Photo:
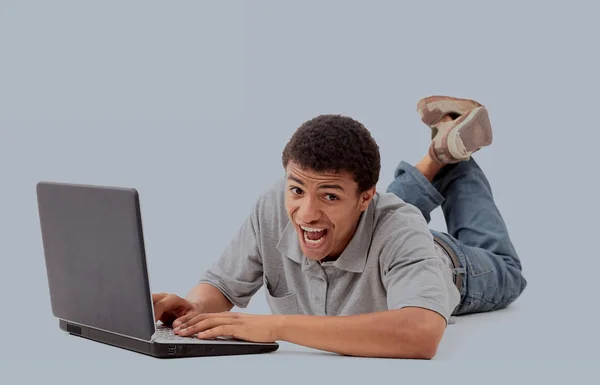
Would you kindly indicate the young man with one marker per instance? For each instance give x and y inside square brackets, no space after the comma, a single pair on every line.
[349,270]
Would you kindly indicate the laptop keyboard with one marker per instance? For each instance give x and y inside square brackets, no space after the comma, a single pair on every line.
[166,333]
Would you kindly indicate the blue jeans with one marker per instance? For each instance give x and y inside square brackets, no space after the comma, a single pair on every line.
[490,268]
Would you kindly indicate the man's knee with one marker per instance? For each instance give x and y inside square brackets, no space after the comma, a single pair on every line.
[494,290]
[514,287]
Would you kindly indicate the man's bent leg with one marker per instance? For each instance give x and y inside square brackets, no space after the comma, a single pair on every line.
[478,235]
[489,275]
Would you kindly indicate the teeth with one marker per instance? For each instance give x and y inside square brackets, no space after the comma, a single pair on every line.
[312,242]
[310,229]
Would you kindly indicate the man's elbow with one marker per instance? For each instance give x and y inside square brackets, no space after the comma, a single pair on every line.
[428,341]
[417,348]
[421,343]
[414,333]
[428,350]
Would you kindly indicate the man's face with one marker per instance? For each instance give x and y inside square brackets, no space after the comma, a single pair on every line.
[325,209]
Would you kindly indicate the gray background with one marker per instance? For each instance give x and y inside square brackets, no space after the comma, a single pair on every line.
[192,102]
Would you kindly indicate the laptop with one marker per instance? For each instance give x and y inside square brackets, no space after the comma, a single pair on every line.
[97,274]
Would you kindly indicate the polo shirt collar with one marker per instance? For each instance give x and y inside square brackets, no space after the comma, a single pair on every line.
[289,245]
[352,259]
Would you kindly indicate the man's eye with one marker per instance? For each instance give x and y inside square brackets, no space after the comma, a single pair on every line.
[331,197]
[296,190]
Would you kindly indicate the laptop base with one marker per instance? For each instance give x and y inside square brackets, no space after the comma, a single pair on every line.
[160,350]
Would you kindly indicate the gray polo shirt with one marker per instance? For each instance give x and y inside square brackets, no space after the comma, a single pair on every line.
[391,262]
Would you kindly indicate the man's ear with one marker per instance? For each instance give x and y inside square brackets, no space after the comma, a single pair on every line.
[366,197]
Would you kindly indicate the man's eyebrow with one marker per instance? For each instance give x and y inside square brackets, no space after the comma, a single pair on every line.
[293,178]
[332,186]
[321,187]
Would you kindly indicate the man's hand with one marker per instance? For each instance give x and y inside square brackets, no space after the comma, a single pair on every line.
[169,308]
[248,327]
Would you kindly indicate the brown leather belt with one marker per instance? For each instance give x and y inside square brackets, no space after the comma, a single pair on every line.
[455,262]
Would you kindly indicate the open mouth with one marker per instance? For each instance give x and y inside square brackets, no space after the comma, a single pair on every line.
[313,236]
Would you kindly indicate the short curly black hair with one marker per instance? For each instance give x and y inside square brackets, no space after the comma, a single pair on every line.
[335,143]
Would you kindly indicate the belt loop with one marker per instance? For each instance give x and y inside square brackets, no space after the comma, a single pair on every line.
[458,270]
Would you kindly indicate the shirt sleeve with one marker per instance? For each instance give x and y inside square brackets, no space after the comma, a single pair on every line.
[413,273]
[239,270]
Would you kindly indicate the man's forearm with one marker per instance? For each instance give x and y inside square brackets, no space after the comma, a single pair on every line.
[209,299]
[406,333]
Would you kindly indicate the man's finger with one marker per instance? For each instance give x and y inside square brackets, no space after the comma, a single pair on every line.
[161,307]
[202,316]
[193,320]
[194,326]
[179,322]
[197,325]
[157,297]
[158,311]
[219,331]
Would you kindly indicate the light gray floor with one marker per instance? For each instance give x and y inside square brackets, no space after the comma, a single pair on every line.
[496,347]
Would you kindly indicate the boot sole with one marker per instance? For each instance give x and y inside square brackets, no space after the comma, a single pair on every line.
[432,108]
[470,135]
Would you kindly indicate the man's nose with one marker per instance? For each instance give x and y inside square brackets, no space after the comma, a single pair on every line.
[309,211]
